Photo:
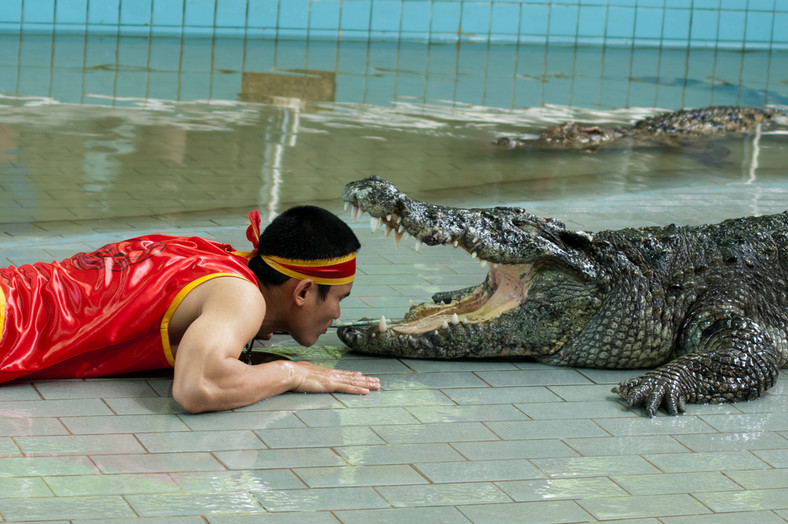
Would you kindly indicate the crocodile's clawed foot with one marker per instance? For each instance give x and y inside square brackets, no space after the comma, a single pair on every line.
[651,393]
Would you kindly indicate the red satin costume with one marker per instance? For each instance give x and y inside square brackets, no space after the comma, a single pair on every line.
[106,312]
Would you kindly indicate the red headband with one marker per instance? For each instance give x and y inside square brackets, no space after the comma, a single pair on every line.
[329,271]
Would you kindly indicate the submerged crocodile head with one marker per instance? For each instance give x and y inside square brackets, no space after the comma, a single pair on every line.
[541,289]
[568,135]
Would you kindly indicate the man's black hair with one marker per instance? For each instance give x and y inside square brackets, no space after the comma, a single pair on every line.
[303,233]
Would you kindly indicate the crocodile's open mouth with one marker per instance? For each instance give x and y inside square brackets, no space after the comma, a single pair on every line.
[523,254]
[505,287]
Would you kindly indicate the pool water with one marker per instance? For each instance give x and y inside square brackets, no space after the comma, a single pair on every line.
[145,133]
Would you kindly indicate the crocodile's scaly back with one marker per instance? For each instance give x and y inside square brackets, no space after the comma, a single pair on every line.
[714,120]
[707,121]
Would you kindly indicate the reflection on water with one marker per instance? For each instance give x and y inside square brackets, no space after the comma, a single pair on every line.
[284,132]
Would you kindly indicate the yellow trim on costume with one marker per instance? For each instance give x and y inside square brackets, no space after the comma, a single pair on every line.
[2,313]
[165,322]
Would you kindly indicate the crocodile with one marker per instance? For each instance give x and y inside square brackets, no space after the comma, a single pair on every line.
[663,128]
[703,308]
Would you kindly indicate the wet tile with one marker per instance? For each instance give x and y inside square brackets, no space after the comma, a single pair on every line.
[292,402]
[360,476]
[760,479]
[706,461]
[41,466]
[295,517]
[545,512]
[356,417]
[24,487]
[79,445]
[641,507]
[94,507]
[660,425]
[279,458]
[156,462]
[398,454]
[555,489]
[443,494]
[181,441]
[777,458]
[14,392]
[432,381]
[750,500]
[193,504]
[479,471]
[436,515]
[513,430]
[761,517]
[513,449]
[95,388]
[118,484]
[470,413]
[144,406]
[448,432]
[732,441]
[229,420]
[417,397]
[667,483]
[574,410]
[123,424]
[454,366]
[53,408]
[596,446]
[543,377]
[321,499]
[755,422]
[8,448]
[594,466]
[319,437]
[501,395]
[584,392]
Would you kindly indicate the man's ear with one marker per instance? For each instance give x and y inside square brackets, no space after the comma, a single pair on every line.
[302,290]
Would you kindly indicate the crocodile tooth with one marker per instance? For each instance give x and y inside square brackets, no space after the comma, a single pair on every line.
[354,212]
[411,302]
[346,204]
[418,244]
[388,230]
[474,255]
[435,332]
[495,264]
[397,238]
[455,243]
[445,325]
[373,223]
[388,218]
[465,321]
[401,228]
[484,263]
[399,219]
[382,327]
[455,319]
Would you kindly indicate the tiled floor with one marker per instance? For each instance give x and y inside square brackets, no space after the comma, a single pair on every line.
[490,441]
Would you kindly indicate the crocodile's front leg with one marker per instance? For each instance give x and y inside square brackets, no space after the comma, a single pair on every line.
[735,360]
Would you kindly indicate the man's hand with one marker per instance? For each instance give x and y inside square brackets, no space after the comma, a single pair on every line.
[311,378]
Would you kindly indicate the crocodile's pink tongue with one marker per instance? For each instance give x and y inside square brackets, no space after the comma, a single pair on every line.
[507,281]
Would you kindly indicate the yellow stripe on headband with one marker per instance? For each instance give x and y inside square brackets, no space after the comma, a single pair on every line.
[329,271]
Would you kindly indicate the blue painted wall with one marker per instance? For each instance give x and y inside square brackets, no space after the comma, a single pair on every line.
[732,24]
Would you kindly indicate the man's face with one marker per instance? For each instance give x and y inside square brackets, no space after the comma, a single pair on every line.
[317,315]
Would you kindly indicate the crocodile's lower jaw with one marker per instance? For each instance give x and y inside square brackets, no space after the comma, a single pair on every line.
[505,288]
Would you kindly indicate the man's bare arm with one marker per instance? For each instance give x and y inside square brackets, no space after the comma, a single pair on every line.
[208,375]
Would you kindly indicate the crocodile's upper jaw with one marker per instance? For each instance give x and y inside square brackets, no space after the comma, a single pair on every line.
[519,250]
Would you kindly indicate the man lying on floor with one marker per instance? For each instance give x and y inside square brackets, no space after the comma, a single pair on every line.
[192,304]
